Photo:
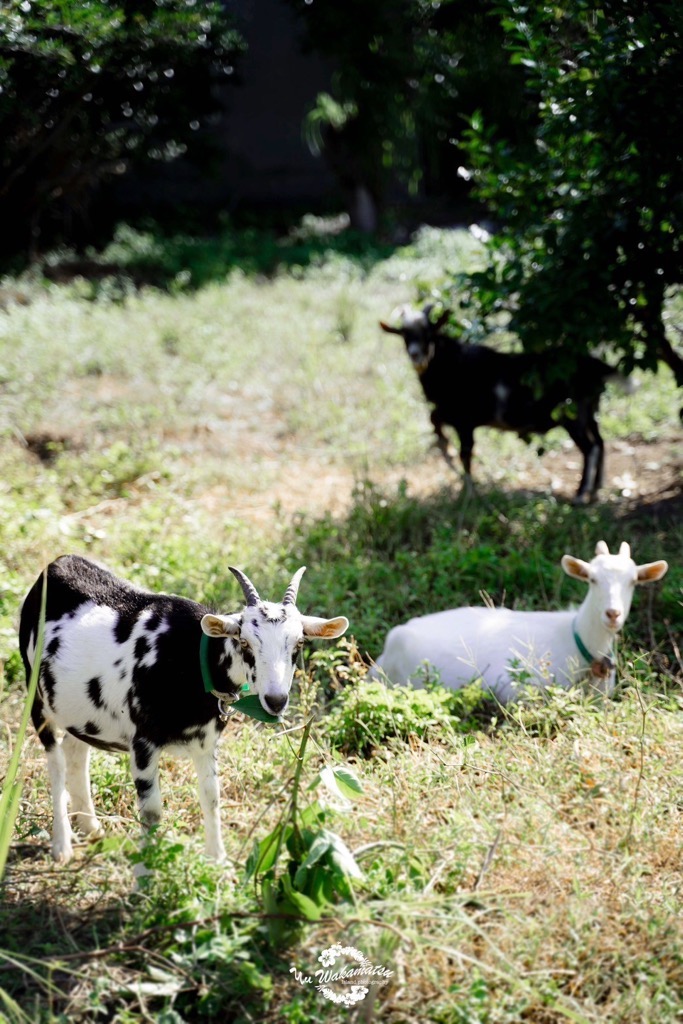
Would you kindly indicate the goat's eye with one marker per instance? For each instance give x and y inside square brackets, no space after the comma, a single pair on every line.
[244,644]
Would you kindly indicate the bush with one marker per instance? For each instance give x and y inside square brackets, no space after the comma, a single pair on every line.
[367,714]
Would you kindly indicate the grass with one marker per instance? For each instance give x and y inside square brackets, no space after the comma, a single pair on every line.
[519,864]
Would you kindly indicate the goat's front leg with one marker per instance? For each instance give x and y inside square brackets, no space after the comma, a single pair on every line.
[441,439]
[466,438]
[145,768]
[209,799]
[77,757]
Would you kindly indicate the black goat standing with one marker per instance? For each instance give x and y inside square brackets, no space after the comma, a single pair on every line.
[473,386]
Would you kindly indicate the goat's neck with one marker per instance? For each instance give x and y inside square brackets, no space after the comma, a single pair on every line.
[226,668]
[595,637]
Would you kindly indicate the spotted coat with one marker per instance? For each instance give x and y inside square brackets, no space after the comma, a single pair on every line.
[121,671]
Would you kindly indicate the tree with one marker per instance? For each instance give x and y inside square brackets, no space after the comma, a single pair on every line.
[405,76]
[591,216]
[88,90]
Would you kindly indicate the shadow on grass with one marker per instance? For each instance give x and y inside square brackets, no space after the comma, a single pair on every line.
[180,261]
[72,949]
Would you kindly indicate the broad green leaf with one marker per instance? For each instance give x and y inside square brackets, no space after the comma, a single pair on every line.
[347,781]
[264,853]
[252,707]
[342,858]
[302,904]
[340,787]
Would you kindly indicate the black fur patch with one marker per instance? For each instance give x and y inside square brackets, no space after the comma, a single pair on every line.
[131,702]
[94,688]
[153,623]
[142,787]
[49,684]
[123,628]
[53,647]
[143,754]
[248,658]
[141,648]
[91,729]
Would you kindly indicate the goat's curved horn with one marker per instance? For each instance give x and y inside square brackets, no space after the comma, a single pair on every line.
[250,591]
[293,588]
[625,550]
[601,548]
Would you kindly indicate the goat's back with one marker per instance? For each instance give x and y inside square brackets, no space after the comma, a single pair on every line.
[497,645]
[513,390]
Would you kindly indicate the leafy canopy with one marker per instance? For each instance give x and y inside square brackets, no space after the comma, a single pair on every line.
[592,213]
[88,89]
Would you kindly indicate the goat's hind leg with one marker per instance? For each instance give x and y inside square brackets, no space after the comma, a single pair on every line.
[62,849]
[585,434]
[77,757]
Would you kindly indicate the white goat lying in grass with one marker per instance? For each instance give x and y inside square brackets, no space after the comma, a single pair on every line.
[508,649]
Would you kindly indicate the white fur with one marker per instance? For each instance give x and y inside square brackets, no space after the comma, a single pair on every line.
[506,648]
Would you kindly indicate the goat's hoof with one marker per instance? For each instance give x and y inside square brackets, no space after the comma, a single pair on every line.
[88,825]
[583,499]
[62,852]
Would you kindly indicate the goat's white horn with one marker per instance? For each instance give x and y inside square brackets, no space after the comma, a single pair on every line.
[293,588]
[601,548]
[625,550]
[250,591]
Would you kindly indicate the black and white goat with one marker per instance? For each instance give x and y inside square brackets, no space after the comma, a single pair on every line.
[475,386]
[121,670]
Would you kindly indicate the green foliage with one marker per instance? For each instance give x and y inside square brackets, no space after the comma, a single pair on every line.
[319,867]
[369,713]
[405,77]
[591,216]
[180,262]
[89,89]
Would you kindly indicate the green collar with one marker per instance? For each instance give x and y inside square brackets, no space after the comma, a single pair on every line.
[206,670]
[204,663]
[583,650]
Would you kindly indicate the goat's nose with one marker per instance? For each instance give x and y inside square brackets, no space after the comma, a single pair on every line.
[275,704]
[612,615]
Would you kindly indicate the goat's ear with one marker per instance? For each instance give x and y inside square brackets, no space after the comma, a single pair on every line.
[221,625]
[388,328]
[326,629]
[441,320]
[651,571]
[576,568]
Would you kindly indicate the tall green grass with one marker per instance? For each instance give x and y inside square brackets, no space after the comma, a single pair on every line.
[518,864]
